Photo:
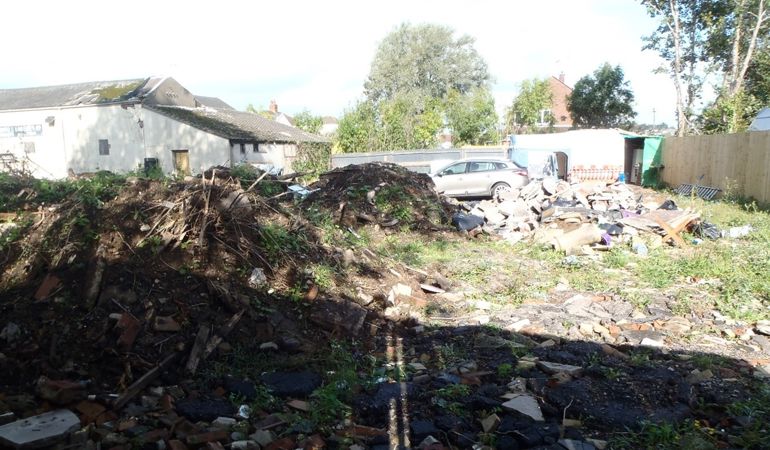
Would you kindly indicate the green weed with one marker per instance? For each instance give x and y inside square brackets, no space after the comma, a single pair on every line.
[616,258]
[505,370]
[278,240]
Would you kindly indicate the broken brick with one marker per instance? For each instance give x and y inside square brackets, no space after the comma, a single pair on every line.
[126,424]
[130,326]
[314,442]
[89,411]
[166,402]
[49,285]
[161,434]
[281,444]
[175,444]
[60,392]
[211,436]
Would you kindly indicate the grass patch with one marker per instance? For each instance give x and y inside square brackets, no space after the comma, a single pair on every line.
[616,258]
[278,240]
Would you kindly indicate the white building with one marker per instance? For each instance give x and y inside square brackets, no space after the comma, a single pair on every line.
[121,125]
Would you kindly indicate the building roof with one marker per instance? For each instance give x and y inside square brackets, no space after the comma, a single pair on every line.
[91,93]
[329,120]
[237,125]
[212,102]
[557,80]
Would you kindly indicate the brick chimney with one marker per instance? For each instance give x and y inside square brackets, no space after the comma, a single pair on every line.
[273,107]
[561,77]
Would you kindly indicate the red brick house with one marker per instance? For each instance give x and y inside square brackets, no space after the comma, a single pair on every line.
[562,120]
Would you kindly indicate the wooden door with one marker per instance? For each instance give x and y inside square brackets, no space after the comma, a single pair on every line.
[182,162]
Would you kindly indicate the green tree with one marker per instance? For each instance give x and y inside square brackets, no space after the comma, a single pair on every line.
[603,100]
[426,59]
[261,111]
[308,122]
[716,36]
[421,76]
[357,130]
[472,117]
[758,76]
[527,110]
[407,121]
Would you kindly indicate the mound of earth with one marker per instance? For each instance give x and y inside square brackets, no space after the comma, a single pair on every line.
[380,193]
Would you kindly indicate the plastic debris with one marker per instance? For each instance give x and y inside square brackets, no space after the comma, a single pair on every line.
[257,278]
[640,249]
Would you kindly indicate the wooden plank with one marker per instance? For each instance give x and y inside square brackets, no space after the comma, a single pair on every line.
[759,142]
[756,169]
[671,233]
[144,381]
[198,348]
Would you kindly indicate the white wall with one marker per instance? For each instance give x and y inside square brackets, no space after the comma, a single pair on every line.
[279,155]
[163,135]
[133,133]
[585,147]
[48,159]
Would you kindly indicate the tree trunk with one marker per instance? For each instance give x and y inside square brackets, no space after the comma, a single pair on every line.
[739,64]
[677,76]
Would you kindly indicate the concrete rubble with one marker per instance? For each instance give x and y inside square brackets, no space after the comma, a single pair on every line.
[581,217]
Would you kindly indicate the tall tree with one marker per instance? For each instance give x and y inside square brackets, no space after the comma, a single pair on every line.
[529,106]
[357,130]
[680,40]
[724,33]
[308,122]
[422,78]
[472,117]
[426,59]
[603,100]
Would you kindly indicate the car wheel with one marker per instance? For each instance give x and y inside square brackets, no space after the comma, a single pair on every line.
[499,188]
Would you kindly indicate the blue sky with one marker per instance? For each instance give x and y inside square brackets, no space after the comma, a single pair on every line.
[316,55]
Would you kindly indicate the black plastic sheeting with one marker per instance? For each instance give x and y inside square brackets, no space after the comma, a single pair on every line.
[466,222]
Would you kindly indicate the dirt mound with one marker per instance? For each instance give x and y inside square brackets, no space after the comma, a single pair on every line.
[380,193]
[105,287]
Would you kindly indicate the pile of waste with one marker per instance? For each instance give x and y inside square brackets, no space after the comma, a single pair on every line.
[116,296]
[572,217]
[381,194]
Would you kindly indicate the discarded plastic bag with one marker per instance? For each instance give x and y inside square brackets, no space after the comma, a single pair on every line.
[257,278]
[736,232]
[707,230]
[668,205]
[466,222]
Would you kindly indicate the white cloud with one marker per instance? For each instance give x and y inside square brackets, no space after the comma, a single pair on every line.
[316,55]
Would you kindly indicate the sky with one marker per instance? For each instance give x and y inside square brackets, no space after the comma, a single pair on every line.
[315,55]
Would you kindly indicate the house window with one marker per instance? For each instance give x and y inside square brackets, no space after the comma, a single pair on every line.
[243,148]
[104,147]
[545,117]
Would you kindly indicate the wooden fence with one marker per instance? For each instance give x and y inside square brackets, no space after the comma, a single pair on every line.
[737,162]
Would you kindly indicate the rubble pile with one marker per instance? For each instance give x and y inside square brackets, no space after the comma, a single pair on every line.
[571,217]
[186,315]
[113,304]
[381,194]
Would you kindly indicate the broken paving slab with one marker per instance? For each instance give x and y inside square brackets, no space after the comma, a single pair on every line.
[39,431]
[554,368]
[525,404]
[343,314]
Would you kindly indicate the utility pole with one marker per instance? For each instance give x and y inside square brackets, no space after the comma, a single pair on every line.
[653,117]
